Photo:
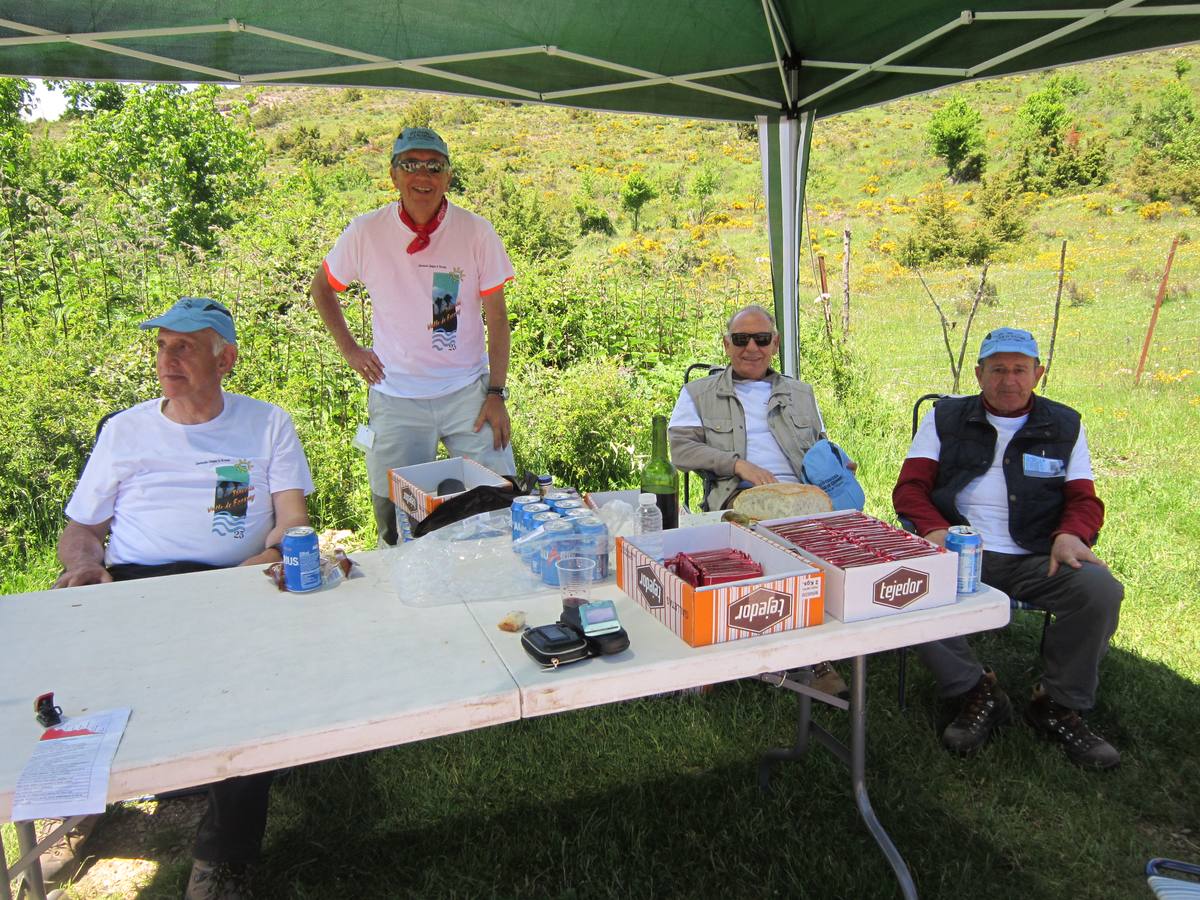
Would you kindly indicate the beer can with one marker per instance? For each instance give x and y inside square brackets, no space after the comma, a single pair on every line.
[518,526]
[593,542]
[301,559]
[581,513]
[556,543]
[967,543]
[563,505]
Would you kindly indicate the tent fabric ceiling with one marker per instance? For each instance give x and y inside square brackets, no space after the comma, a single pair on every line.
[716,59]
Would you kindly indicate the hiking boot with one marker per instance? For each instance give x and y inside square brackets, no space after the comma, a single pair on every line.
[984,708]
[217,881]
[65,856]
[1055,722]
[825,678]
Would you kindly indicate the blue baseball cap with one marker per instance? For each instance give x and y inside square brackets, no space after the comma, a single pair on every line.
[193,314]
[1008,340]
[420,139]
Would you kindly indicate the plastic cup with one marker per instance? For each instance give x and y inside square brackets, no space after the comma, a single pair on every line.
[575,577]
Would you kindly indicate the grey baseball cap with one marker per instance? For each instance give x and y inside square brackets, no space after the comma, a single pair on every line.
[420,139]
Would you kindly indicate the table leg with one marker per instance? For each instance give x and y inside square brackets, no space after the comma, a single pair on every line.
[27,842]
[5,887]
[799,748]
[858,770]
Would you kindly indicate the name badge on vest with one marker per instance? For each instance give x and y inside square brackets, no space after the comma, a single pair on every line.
[1043,466]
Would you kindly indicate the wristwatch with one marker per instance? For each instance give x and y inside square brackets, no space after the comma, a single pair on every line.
[501,392]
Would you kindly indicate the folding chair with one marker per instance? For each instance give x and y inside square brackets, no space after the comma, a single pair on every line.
[1014,603]
[1166,887]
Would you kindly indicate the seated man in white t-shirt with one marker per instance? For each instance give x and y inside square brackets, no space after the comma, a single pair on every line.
[195,479]
[1015,467]
[748,425]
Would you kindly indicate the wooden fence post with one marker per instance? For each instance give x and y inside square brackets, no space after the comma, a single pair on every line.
[1158,302]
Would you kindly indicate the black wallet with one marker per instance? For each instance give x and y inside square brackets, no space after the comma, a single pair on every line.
[554,645]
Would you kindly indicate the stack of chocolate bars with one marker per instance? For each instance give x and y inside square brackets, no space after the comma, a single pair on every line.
[853,539]
[709,567]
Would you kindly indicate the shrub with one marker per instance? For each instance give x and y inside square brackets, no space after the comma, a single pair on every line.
[955,134]
[636,192]
[588,425]
[593,219]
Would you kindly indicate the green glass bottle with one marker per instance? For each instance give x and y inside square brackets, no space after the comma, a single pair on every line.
[660,478]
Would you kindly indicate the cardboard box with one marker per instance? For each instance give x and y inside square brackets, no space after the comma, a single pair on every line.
[414,488]
[597,499]
[787,596]
[882,589]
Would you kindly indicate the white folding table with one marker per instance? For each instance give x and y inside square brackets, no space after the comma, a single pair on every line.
[226,676]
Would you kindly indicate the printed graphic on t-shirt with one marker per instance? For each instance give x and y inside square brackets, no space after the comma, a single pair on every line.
[445,309]
[232,499]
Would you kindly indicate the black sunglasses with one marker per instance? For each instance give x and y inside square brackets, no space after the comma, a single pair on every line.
[742,338]
[432,166]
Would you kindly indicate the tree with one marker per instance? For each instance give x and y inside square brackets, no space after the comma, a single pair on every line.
[173,154]
[636,192]
[87,97]
[16,95]
[702,188]
[955,134]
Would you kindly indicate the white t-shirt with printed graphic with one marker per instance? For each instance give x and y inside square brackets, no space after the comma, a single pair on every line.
[426,309]
[200,493]
[984,500]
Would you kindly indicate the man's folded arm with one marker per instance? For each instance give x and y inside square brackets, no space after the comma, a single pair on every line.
[912,496]
[290,512]
[81,552]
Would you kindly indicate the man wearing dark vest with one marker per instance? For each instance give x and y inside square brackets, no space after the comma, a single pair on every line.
[1015,467]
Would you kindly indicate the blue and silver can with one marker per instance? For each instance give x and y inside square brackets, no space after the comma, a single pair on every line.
[555,544]
[967,543]
[593,542]
[531,552]
[301,559]
[580,513]
[565,505]
[518,527]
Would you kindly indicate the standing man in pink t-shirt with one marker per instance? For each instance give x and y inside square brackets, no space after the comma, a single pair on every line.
[436,275]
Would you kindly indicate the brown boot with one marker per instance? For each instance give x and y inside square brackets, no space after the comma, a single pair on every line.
[983,708]
[1055,722]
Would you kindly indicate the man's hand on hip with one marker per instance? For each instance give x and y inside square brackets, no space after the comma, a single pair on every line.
[748,471]
[364,361]
[86,574]
[1069,550]
[495,413]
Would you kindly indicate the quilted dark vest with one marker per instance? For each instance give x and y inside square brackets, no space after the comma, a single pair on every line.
[968,442]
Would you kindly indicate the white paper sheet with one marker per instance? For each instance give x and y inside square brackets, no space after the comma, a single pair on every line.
[67,775]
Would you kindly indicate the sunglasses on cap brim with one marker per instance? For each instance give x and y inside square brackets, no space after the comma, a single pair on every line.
[742,338]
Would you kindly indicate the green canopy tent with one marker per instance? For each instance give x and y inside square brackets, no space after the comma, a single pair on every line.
[778,62]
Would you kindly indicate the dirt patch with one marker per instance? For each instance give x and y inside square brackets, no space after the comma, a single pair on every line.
[131,843]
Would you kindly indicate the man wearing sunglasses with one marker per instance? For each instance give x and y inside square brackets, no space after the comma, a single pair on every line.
[435,272]
[747,425]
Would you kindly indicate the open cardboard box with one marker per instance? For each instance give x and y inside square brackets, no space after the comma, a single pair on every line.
[787,596]
[881,589]
[414,488]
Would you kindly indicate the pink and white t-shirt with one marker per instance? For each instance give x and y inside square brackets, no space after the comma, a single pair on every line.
[427,309]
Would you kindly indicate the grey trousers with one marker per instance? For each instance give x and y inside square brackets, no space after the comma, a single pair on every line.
[407,432]
[1086,605]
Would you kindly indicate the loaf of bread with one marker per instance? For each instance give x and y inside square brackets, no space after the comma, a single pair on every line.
[782,500]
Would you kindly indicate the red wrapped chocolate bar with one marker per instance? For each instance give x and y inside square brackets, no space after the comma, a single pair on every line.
[709,567]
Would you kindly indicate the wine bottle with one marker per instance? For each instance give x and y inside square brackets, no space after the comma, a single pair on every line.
[660,478]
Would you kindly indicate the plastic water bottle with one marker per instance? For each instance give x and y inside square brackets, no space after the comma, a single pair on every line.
[649,515]
[650,526]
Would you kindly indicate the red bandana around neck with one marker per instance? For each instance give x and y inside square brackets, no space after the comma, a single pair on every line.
[421,241]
